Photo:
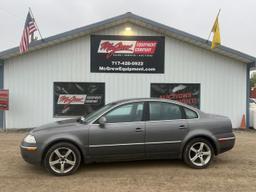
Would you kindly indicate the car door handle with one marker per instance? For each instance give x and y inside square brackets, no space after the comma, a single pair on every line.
[183,127]
[138,129]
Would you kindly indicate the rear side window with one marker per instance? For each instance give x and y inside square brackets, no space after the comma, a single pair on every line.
[164,111]
[190,114]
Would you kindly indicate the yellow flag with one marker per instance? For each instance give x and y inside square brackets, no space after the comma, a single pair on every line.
[216,36]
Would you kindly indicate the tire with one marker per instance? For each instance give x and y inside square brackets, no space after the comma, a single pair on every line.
[198,153]
[62,159]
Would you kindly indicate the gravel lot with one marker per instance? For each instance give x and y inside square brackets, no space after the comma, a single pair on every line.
[231,171]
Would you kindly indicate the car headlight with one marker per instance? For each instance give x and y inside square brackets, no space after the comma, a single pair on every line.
[30,139]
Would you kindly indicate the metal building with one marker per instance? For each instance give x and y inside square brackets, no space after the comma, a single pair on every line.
[33,79]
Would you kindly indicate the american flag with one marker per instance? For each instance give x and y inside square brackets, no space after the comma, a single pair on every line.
[28,31]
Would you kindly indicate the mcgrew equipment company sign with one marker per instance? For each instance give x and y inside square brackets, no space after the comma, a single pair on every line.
[127,54]
[77,98]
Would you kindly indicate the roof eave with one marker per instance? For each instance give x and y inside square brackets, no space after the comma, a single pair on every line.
[62,37]
[195,40]
[141,21]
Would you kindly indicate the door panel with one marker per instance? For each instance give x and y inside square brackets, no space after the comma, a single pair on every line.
[123,135]
[165,136]
[117,139]
[165,129]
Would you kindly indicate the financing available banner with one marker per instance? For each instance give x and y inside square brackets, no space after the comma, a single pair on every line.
[77,98]
[188,93]
[127,54]
[4,99]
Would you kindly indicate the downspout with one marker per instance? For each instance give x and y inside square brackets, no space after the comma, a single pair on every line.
[248,92]
[2,117]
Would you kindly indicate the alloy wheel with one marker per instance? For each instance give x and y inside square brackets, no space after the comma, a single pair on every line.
[62,160]
[200,154]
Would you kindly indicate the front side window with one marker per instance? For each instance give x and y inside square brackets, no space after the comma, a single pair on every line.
[164,111]
[96,113]
[125,113]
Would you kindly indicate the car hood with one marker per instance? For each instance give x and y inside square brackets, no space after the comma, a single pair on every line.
[56,125]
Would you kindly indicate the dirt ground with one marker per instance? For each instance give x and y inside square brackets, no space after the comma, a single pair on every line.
[231,171]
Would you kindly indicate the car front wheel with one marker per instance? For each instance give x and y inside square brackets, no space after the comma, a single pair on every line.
[62,159]
[198,153]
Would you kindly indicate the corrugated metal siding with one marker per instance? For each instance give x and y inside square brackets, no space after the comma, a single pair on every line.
[30,78]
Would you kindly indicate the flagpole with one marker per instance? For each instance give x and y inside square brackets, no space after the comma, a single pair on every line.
[30,10]
[214,22]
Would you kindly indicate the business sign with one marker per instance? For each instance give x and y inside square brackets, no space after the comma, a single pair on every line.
[65,99]
[127,54]
[77,99]
[4,99]
[187,93]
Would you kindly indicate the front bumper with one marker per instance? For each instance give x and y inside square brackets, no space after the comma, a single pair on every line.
[30,153]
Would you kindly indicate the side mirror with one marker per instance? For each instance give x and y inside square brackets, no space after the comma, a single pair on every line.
[82,119]
[102,121]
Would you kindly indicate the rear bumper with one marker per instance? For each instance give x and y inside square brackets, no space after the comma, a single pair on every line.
[226,143]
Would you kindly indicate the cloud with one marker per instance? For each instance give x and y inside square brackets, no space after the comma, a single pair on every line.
[196,17]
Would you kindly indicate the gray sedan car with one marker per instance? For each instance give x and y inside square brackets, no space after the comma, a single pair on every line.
[131,129]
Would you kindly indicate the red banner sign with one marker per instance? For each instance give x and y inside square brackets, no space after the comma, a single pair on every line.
[4,100]
[71,99]
[134,47]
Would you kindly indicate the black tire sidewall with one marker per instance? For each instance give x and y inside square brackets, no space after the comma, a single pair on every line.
[187,148]
[59,145]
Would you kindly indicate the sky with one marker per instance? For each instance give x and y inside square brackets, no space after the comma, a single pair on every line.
[237,17]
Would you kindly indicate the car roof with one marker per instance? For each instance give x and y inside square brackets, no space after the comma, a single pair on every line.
[131,100]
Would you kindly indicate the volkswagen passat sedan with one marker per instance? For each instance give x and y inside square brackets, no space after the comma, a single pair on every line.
[130,130]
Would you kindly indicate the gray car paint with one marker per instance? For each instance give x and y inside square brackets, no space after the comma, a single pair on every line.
[163,138]
[122,141]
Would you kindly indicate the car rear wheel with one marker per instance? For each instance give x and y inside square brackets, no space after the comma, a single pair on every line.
[62,159]
[198,153]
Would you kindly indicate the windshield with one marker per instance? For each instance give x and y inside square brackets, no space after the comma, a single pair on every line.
[96,113]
